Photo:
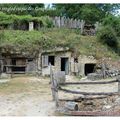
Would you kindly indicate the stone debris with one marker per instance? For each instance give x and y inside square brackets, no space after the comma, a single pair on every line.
[104,71]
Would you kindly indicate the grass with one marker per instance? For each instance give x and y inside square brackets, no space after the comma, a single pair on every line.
[48,38]
[24,84]
[13,86]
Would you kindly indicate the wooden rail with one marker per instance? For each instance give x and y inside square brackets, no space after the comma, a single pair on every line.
[83,98]
[87,93]
[78,83]
[55,87]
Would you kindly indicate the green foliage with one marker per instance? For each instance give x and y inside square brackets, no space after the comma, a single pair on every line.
[34,42]
[5,19]
[90,13]
[114,22]
[22,18]
[47,21]
[1,36]
[107,35]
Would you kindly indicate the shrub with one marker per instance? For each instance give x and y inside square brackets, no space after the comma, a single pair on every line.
[5,19]
[47,21]
[107,35]
[114,22]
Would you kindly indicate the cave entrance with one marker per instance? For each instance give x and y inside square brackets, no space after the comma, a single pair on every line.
[89,68]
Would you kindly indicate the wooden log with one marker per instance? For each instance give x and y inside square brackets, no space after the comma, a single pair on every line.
[54,87]
[51,73]
[119,85]
[78,83]
[56,92]
[71,106]
[52,83]
[103,70]
[84,98]
[87,93]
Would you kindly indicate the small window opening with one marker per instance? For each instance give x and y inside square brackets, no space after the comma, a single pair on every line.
[30,60]
[76,60]
[51,59]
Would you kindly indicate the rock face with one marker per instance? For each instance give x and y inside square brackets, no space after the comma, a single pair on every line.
[94,76]
[105,70]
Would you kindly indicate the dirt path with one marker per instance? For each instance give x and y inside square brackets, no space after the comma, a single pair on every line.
[26,96]
[31,96]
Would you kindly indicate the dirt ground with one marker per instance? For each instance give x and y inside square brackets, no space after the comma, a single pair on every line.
[26,96]
[31,96]
[111,87]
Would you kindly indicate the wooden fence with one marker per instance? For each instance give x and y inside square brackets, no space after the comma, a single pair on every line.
[67,22]
[55,86]
[72,104]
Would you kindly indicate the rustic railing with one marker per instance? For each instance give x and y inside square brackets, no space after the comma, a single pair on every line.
[55,86]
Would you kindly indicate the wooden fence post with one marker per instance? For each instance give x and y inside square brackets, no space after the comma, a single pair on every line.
[118,84]
[51,73]
[54,87]
[52,82]
[56,92]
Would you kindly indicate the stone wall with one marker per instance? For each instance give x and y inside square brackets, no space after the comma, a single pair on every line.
[85,60]
[57,66]
[75,68]
[31,67]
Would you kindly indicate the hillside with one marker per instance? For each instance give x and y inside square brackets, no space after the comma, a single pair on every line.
[32,41]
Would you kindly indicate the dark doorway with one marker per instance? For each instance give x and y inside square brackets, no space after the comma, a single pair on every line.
[65,65]
[13,62]
[89,68]
[18,67]
[51,59]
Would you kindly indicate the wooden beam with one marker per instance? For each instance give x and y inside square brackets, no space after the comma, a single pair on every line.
[84,98]
[87,93]
[78,83]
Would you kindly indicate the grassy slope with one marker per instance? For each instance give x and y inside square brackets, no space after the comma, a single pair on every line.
[87,45]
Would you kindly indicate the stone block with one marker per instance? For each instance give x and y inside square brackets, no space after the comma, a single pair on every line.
[60,77]
[5,76]
[94,76]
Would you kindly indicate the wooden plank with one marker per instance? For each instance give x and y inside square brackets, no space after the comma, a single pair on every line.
[87,93]
[78,83]
[53,93]
[15,65]
[84,98]
[16,72]
[118,85]
[56,92]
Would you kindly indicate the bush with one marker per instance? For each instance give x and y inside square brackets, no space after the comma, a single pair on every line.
[107,35]
[47,21]
[1,36]
[5,19]
[114,22]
